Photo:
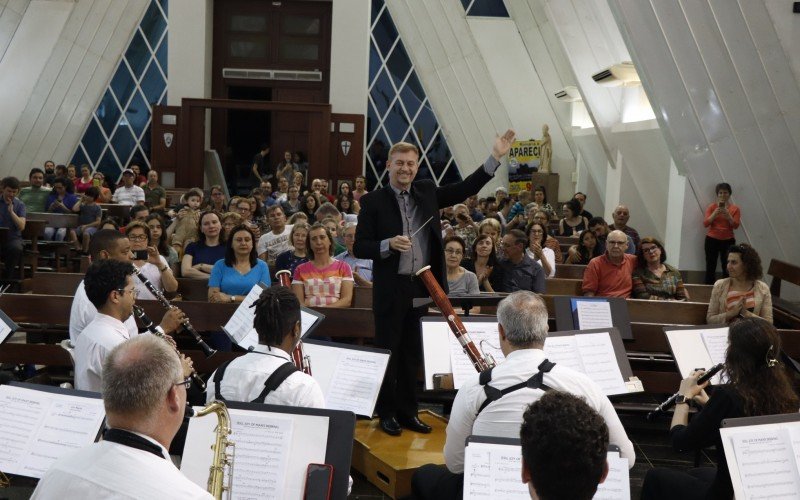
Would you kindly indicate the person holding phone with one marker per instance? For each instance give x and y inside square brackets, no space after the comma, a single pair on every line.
[152,264]
[722,217]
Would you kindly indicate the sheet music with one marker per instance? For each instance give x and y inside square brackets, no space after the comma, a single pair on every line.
[766,464]
[5,330]
[38,428]
[240,325]
[591,354]
[493,471]
[716,342]
[617,484]
[564,351]
[593,314]
[272,451]
[356,381]
[486,339]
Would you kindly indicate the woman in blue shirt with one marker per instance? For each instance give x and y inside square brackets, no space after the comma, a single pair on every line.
[233,277]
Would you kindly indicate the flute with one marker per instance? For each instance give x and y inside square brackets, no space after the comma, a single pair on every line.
[148,323]
[207,350]
[301,361]
[663,407]
[479,361]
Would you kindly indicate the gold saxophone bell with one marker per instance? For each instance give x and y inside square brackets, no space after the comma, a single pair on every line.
[222,460]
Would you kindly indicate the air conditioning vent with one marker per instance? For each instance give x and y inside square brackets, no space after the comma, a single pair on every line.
[272,74]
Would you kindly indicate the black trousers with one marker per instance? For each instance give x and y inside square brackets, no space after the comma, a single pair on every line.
[716,249]
[668,484]
[11,251]
[397,328]
[436,482]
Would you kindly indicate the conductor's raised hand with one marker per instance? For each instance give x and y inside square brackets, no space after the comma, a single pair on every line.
[400,243]
[502,145]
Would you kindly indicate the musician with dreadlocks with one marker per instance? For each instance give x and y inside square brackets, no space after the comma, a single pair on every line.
[267,374]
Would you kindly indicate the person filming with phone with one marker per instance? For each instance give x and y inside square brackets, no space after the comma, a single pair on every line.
[721,218]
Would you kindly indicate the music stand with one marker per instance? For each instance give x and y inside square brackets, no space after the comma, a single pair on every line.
[566,319]
[465,302]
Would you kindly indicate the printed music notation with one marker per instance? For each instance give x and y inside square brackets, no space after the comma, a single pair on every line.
[716,342]
[617,484]
[38,428]
[767,464]
[356,381]
[261,455]
[593,314]
[591,354]
[485,338]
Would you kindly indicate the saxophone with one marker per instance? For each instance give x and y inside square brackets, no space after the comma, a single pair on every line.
[217,484]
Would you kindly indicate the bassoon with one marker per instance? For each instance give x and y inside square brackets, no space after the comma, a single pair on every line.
[301,361]
[479,361]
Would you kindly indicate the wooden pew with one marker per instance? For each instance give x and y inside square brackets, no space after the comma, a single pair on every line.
[699,293]
[563,286]
[571,271]
[61,249]
[122,212]
[785,313]
[66,283]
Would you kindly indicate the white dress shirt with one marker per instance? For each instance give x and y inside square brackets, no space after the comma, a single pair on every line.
[245,376]
[93,345]
[83,312]
[503,417]
[108,470]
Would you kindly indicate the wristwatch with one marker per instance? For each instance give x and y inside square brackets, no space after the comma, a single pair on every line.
[233,298]
[682,400]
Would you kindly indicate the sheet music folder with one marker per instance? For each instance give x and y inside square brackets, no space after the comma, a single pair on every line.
[7,327]
[566,318]
[690,351]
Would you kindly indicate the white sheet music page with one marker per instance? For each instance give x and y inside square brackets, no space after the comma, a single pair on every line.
[564,351]
[486,339]
[38,428]
[617,484]
[5,330]
[240,325]
[600,362]
[356,381]
[593,314]
[493,471]
[716,342]
[766,464]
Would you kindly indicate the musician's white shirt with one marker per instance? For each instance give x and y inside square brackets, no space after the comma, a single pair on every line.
[83,312]
[112,470]
[245,376]
[503,417]
[93,345]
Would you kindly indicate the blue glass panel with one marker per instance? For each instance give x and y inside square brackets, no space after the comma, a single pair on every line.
[161,55]
[79,158]
[153,24]
[465,3]
[382,93]
[144,141]
[488,8]
[376,9]
[93,141]
[424,171]
[163,100]
[451,175]
[141,159]
[153,83]
[165,7]
[137,54]
[412,94]
[372,121]
[372,180]
[438,154]
[374,62]
[107,112]
[123,143]
[138,114]
[398,64]
[396,122]
[109,166]
[122,84]
[379,150]
[384,32]
[425,125]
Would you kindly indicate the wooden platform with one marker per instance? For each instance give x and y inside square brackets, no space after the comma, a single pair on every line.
[388,462]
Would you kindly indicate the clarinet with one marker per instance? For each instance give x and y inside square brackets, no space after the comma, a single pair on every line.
[148,323]
[481,362]
[301,361]
[208,351]
[666,405]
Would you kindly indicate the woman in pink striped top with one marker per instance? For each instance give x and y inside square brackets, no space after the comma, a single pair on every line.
[322,281]
[721,218]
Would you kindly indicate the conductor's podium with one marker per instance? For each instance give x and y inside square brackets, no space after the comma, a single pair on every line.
[388,462]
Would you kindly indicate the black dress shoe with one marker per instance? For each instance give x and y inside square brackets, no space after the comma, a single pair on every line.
[390,426]
[414,424]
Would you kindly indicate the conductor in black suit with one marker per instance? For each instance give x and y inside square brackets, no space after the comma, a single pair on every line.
[388,218]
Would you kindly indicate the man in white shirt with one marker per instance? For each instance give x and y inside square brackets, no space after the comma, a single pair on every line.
[145,406]
[362,268]
[110,244]
[129,193]
[267,374]
[276,241]
[522,328]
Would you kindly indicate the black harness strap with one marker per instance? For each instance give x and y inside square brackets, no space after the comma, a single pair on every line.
[535,382]
[273,382]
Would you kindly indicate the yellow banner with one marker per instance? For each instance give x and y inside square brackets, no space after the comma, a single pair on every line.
[523,161]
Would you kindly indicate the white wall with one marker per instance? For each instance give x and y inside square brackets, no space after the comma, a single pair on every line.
[349,56]
[190,49]
[11,12]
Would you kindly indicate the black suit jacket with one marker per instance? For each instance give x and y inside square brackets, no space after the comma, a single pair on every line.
[380,219]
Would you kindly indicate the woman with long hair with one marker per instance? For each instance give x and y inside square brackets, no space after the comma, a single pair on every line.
[155,267]
[216,201]
[233,277]
[653,278]
[323,280]
[84,182]
[310,205]
[540,198]
[538,252]
[586,249]
[484,264]
[293,203]
[201,255]
[757,385]
[572,223]
[742,294]
[156,224]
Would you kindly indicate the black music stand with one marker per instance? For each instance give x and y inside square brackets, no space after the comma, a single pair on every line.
[567,320]
[7,327]
[465,302]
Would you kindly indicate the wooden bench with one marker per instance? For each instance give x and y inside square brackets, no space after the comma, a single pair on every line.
[571,271]
[62,250]
[122,212]
[785,313]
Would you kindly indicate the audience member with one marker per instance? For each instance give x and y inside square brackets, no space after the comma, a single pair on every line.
[110,222]
[260,170]
[621,216]
[600,229]
[286,168]
[572,223]
[61,200]
[522,331]
[128,193]
[484,264]
[523,198]
[49,173]
[139,212]
[145,406]
[541,217]
[491,228]
[538,252]
[233,277]
[540,198]
[328,210]
[361,187]
[89,218]
[12,217]
[216,200]
[721,218]
[283,190]
[500,194]
[184,229]
[257,200]
[229,221]
[474,211]
[271,378]
[465,227]
[742,294]
[155,196]
[293,204]
[610,275]
[99,180]
[564,448]
[459,280]
[298,217]
[72,174]
[581,197]
[139,178]
[323,280]
[503,208]
[323,191]
[276,241]
[587,249]
[758,385]
[297,253]
[310,205]
[269,198]
[85,181]
[201,255]
[155,267]
[35,196]
[332,224]
[520,272]
[245,209]
[362,268]
[653,278]
[159,238]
